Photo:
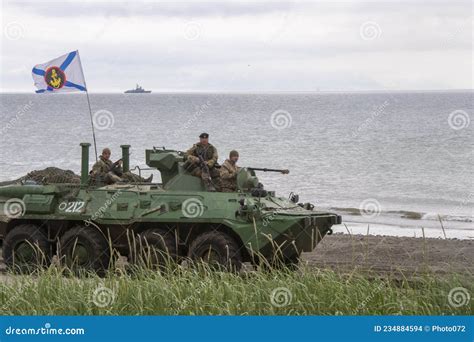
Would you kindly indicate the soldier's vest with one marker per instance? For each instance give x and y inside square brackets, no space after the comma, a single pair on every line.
[206,152]
[228,184]
[105,165]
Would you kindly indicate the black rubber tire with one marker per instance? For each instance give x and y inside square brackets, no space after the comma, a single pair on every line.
[155,248]
[292,263]
[225,251]
[96,250]
[36,242]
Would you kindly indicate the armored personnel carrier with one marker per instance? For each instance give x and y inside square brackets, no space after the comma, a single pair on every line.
[87,226]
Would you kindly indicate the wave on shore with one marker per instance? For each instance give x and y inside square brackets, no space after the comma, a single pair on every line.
[411,215]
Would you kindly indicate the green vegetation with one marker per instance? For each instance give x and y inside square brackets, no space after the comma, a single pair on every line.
[201,291]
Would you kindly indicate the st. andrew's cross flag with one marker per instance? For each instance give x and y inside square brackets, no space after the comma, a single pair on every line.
[63,74]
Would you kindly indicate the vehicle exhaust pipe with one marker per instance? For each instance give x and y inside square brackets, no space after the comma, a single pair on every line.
[125,157]
[85,163]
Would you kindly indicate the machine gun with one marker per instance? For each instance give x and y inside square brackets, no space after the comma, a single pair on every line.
[116,169]
[203,165]
[206,174]
[264,169]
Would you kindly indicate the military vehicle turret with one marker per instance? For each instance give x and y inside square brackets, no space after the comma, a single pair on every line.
[86,225]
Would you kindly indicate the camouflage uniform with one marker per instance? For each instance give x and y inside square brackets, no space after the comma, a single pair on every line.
[102,172]
[228,174]
[209,155]
[105,171]
[133,178]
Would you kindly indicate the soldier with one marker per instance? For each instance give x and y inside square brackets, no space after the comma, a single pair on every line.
[109,173]
[202,161]
[228,172]
[102,169]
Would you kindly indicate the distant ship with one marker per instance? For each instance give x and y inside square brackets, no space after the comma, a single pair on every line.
[138,90]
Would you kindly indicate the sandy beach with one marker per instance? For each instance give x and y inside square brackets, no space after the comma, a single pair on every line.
[393,255]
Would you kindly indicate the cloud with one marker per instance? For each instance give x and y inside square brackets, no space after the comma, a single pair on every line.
[244,46]
[149,8]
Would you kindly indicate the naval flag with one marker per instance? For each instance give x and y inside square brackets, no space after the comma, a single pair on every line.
[62,74]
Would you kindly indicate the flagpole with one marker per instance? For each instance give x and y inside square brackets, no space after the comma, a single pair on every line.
[90,109]
[92,121]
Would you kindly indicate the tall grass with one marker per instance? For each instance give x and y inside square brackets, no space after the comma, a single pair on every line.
[202,291]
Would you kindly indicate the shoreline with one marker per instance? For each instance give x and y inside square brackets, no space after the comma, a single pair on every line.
[403,231]
[401,223]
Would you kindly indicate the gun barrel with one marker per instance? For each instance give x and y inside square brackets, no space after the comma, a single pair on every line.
[264,169]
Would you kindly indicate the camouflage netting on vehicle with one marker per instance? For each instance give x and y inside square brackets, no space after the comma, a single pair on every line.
[50,175]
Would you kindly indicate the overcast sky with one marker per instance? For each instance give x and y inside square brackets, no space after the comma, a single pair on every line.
[244,46]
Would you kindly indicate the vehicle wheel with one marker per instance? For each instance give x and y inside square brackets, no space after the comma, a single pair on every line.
[85,249]
[217,249]
[155,248]
[292,262]
[26,248]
